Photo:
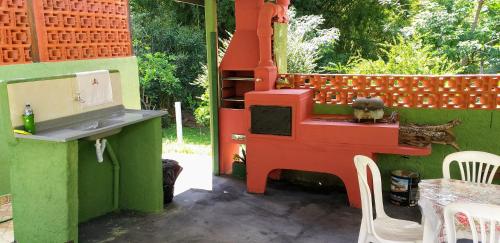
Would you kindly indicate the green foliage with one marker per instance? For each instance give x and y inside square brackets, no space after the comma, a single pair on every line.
[449,26]
[226,22]
[191,135]
[362,24]
[353,36]
[175,30]
[305,40]
[159,86]
[169,10]
[465,32]
[196,141]
[202,113]
[402,56]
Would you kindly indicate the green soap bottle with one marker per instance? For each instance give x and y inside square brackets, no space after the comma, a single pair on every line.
[29,119]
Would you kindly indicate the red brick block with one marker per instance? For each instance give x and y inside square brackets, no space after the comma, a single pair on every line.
[406,91]
[82,29]
[15,34]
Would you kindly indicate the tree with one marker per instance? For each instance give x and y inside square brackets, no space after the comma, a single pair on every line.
[202,112]
[305,39]
[467,32]
[176,30]
[170,10]
[362,24]
[402,56]
[226,22]
[159,86]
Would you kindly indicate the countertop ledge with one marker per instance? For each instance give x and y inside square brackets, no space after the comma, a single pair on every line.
[90,124]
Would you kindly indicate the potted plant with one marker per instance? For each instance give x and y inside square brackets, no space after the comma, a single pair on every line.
[240,165]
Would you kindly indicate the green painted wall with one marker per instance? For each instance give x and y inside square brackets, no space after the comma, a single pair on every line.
[6,138]
[57,185]
[95,181]
[126,65]
[138,150]
[480,130]
[141,173]
[130,90]
[45,191]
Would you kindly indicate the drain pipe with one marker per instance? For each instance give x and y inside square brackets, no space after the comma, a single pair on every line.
[116,176]
[101,146]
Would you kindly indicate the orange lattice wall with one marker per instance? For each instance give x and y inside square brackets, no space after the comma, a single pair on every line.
[422,91]
[15,36]
[64,30]
[82,29]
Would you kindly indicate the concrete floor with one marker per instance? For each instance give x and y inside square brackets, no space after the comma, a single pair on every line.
[6,224]
[286,213]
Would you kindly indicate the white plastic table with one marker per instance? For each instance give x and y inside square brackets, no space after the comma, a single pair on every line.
[437,193]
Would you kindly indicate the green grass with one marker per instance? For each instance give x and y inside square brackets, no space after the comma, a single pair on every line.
[196,140]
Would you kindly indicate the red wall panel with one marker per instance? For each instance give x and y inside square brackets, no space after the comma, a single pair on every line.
[15,36]
[411,91]
[82,29]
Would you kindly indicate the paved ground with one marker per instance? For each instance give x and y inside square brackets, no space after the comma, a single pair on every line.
[6,225]
[228,214]
[218,209]
[196,173]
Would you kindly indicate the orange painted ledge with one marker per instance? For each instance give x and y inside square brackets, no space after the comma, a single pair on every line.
[406,150]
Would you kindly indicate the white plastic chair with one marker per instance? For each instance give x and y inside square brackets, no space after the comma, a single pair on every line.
[480,217]
[475,166]
[382,229]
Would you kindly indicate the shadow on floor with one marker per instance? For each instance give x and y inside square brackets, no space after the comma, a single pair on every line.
[285,213]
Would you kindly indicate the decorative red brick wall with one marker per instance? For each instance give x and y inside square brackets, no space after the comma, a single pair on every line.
[412,91]
[15,34]
[65,30]
[82,29]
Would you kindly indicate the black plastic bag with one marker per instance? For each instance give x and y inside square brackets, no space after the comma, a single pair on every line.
[171,170]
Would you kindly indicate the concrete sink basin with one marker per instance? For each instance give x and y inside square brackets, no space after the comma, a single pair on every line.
[95,124]
[91,125]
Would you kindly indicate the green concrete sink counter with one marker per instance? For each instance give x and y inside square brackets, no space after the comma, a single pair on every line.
[55,179]
[91,125]
[54,183]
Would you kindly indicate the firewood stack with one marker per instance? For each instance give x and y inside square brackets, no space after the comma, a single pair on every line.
[423,135]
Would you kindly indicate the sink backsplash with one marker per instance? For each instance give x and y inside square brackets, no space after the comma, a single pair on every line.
[53,97]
